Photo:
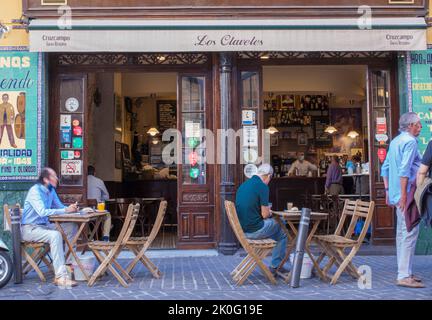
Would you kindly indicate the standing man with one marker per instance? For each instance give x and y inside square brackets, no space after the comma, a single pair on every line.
[7,115]
[252,205]
[97,190]
[301,167]
[333,184]
[41,202]
[399,172]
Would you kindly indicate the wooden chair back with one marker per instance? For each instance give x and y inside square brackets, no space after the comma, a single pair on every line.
[7,215]
[355,210]
[128,225]
[158,222]
[235,224]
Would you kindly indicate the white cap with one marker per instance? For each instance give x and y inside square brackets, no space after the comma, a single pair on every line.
[265,170]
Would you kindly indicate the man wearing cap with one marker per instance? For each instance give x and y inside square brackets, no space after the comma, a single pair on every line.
[252,205]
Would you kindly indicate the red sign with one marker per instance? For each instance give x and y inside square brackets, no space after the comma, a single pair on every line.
[77,131]
[382,153]
[193,158]
[77,154]
[381,125]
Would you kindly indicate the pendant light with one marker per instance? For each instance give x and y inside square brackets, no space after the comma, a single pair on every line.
[153,131]
[272,130]
[353,134]
[330,130]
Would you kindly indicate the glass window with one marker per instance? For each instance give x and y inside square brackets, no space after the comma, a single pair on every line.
[250,87]
[193,117]
[380,119]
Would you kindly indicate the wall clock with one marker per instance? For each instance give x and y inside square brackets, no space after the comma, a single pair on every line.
[72,104]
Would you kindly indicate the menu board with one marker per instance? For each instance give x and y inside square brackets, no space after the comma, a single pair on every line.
[166,114]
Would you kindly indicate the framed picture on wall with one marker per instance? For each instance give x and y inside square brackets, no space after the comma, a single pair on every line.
[118,155]
[302,138]
[274,140]
[118,113]
[126,152]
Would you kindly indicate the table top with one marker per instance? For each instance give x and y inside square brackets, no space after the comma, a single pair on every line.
[355,174]
[296,215]
[122,200]
[76,217]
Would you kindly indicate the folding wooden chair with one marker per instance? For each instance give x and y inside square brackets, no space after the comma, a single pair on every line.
[32,252]
[107,252]
[139,245]
[256,250]
[334,245]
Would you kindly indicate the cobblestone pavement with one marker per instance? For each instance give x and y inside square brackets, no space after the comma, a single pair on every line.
[209,278]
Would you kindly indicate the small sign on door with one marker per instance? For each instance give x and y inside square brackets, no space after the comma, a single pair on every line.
[71,167]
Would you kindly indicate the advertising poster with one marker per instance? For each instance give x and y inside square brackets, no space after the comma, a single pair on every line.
[421,90]
[20,115]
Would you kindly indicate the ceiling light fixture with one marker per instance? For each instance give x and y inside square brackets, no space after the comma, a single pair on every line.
[330,130]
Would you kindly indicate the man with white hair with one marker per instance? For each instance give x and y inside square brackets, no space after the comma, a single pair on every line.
[252,205]
[399,173]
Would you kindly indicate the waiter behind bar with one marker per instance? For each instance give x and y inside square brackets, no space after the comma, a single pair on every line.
[301,167]
[333,185]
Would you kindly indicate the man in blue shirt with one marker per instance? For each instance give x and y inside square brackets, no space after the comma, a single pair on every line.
[41,202]
[399,173]
[252,206]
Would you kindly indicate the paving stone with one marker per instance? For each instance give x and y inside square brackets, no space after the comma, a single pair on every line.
[204,278]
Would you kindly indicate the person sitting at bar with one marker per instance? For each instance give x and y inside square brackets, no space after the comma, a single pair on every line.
[301,167]
[41,202]
[97,190]
[252,205]
[333,184]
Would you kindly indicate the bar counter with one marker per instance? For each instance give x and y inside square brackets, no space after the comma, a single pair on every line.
[294,189]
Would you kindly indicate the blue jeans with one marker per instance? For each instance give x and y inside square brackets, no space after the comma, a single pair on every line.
[272,229]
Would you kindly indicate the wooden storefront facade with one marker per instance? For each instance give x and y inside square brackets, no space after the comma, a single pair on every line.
[202,222]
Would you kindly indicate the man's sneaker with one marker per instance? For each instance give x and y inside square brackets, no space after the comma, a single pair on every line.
[65,282]
[410,283]
[415,278]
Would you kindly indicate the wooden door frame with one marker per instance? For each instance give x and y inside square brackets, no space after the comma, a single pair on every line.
[57,70]
[377,190]
[388,62]
[201,203]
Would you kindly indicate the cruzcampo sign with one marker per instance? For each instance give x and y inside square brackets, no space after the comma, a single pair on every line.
[20,115]
[421,88]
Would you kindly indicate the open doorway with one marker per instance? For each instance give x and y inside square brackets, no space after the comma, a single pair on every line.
[128,114]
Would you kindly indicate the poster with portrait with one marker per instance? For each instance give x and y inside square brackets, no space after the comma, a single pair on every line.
[346,120]
[20,115]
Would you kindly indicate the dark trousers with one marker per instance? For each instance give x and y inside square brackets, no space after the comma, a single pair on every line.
[9,132]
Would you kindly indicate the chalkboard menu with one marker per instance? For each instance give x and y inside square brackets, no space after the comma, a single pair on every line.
[166,114]
[322,139]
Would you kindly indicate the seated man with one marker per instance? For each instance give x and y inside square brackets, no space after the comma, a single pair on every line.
[96,190]
[41,202]
[252,205]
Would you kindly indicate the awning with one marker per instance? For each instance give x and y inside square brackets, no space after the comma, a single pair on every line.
[384,34]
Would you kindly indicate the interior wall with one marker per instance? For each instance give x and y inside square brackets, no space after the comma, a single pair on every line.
[102,133]
[342,81]
[152,87]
